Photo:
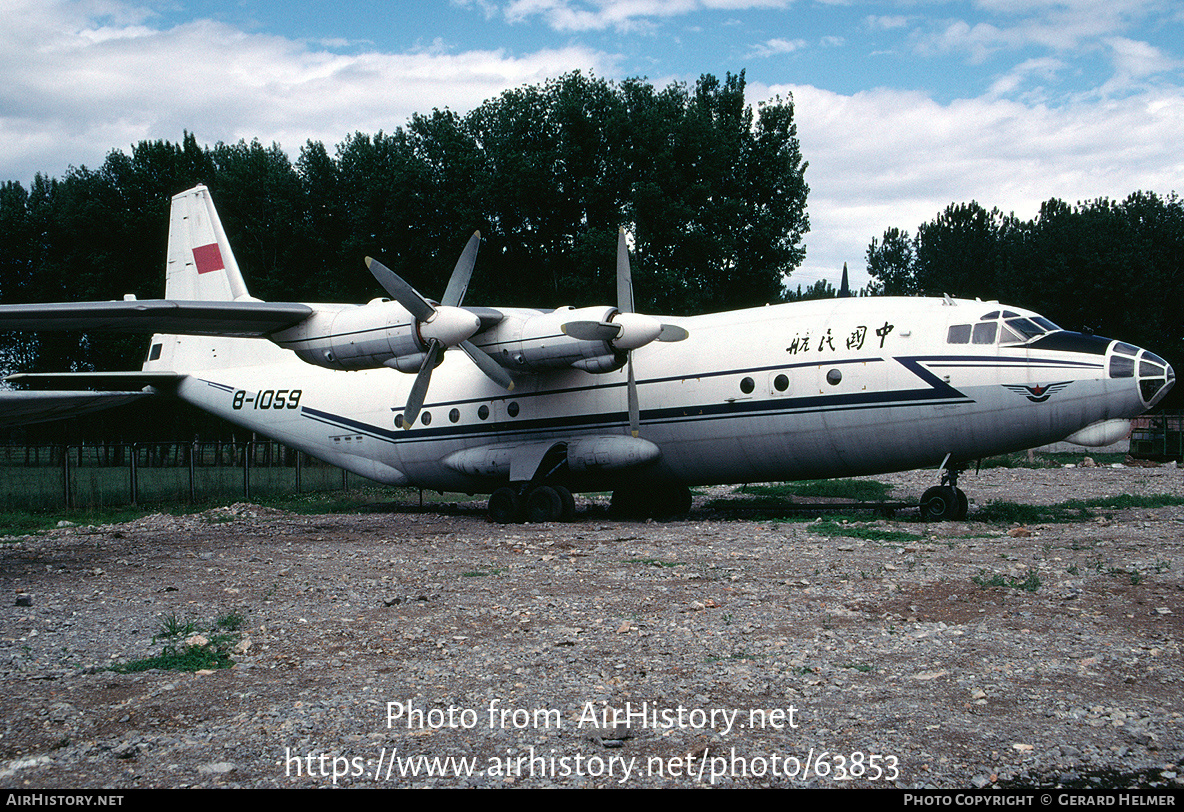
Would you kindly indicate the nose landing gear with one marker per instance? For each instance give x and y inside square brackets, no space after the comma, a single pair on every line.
[945,502]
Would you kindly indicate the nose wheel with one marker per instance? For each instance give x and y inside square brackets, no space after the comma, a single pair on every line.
[945,502]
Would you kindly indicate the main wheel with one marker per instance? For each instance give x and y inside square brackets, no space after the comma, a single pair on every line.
[544,504]
[505,506]
[569,504]
[941,504]
[963,505]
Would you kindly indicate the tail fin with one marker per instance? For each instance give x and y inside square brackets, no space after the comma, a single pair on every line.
[201,266]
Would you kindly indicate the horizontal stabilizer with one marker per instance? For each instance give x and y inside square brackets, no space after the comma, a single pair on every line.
[106,381]
[20,408]
[241,319]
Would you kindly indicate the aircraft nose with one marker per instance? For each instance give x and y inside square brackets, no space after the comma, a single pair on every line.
[1153,375]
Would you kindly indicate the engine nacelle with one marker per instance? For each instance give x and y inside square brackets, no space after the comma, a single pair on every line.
[533,341]
[381,333]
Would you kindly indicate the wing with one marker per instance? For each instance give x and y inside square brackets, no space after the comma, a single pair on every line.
[250,319]
[59,395]
[19,408]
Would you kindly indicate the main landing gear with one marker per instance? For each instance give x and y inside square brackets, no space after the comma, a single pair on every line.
[544,503]
[555,503]
[945,502]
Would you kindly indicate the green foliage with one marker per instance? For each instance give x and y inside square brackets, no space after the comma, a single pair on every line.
[1074,510]
[712,192]
[187,658]
[177,656]
[1115,267]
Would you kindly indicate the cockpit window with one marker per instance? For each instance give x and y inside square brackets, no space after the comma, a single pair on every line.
[1025,327]
[1014,329]
[984,332]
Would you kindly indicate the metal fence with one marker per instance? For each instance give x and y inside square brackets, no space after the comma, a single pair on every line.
[111,474]
[1158,436]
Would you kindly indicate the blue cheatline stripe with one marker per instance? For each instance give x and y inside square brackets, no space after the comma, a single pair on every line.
[936,392]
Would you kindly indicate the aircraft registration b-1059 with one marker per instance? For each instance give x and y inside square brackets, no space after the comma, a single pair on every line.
[541,403]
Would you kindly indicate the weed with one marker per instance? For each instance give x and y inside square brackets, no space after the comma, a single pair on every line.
[213,654]
[189,658]
[862,668]
[172,626]
[480,573]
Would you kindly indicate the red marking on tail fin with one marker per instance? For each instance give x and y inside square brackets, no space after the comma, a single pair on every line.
[208,258]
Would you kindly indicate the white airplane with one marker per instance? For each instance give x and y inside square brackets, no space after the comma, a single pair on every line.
[541,403]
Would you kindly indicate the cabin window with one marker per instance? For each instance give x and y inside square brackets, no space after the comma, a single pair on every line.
[483,411]
[426,418]
[154,353]
[512,409]
[781,383]
[959,334]
[747,385]
[398,421]
[834,377]
[454,415]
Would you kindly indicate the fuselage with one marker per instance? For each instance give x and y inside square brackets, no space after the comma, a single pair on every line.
[837,387]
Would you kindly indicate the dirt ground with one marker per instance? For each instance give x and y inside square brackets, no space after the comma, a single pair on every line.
[410,647]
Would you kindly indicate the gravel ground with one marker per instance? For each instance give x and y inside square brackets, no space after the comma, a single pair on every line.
[733,651]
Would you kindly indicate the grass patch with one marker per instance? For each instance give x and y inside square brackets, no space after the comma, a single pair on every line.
[855,529]
[1074,510]
[177,656]
[857,490]
[188,658]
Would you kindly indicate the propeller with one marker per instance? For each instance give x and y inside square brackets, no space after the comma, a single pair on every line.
[625,329]
[441,326]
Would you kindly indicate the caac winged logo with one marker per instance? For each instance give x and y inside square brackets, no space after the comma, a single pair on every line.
[1037,394]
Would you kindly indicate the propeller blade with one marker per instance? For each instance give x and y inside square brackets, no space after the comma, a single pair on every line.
[634,406]
[672,332]
[419,389]
[400,291]
[458,283]
[624,276]
[492,369]
[591,330]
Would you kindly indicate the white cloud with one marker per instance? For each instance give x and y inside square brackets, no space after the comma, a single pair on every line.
[93,84]
[885,158]
[621,15]
[775,47]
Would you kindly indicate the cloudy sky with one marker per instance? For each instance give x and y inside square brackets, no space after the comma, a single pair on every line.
[903,106]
